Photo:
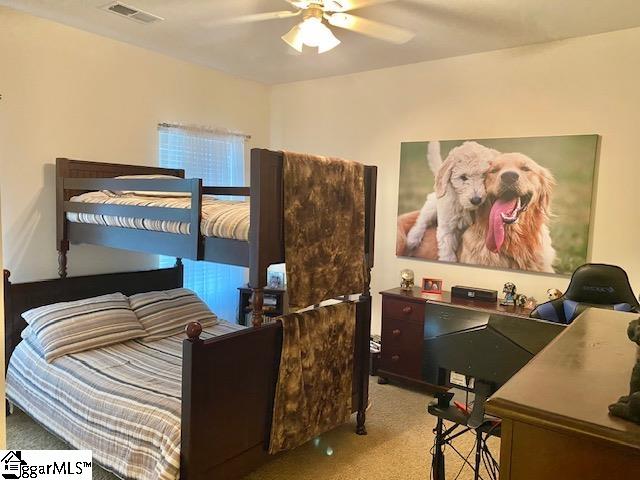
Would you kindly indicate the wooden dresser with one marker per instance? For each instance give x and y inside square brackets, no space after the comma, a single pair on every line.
[555,421]
[409,317]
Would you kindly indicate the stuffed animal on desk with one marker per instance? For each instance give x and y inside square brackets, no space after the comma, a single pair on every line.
[628,407]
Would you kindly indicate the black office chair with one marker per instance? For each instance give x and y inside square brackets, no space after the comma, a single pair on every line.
[592,285]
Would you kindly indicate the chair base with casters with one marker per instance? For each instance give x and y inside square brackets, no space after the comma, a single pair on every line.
[460,424]
[593,285]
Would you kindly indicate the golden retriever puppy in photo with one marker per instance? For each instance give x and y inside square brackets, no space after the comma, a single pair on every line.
[511,228]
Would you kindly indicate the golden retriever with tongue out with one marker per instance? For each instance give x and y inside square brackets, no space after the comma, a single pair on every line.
[511,228]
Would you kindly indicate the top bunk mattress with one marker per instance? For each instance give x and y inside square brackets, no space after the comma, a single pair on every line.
[121,401]
[220,218]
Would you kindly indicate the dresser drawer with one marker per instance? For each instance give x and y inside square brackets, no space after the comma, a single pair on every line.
[402,347]
[402,309]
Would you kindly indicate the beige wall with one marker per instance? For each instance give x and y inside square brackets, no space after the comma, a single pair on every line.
[73,94]
[584,85]
[3,436]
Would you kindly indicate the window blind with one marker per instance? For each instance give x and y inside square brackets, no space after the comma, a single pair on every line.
[217,158]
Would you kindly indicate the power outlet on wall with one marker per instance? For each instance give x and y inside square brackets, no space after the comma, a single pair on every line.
[460,380]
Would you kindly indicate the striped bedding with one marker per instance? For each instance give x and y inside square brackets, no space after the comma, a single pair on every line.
[220,218]
[121,401]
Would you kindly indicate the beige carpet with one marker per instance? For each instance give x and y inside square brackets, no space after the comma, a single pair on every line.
[396,448]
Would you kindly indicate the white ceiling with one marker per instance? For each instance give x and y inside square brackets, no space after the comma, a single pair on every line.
[443,28]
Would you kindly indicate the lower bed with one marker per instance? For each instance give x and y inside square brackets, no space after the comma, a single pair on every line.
[121,401]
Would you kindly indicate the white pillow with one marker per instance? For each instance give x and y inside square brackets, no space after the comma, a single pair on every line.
[144,193]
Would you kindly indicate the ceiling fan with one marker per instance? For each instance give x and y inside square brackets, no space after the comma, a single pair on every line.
[313,31]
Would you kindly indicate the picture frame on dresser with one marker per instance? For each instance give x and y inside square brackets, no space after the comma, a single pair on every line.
[432,285]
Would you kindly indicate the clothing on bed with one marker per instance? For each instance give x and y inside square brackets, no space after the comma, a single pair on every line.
[121,401]
[314,388]
[220,218]
[323,228]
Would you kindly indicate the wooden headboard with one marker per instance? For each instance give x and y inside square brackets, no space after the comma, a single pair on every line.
[67,168]
[20,297]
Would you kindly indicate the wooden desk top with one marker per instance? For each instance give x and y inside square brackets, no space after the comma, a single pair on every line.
[568,386]
[445,298]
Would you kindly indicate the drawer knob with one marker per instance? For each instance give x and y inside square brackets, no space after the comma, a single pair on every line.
[395,358]
[396,332]
[407,310]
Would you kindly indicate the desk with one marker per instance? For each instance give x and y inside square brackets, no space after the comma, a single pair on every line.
[554,410]
[409,317]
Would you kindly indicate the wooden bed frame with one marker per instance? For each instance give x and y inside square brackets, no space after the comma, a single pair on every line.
[266,235]
[228,382]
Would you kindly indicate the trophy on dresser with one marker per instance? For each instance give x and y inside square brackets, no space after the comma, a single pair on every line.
[406,279]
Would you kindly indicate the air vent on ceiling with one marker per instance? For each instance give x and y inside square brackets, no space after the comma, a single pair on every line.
[132,13]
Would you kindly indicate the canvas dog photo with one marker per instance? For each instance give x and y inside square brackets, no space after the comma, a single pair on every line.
[510,203]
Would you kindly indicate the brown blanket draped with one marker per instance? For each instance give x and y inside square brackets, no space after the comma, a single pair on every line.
[323,228]
[314,389]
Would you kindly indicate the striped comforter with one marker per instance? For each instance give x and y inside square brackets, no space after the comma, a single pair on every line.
[220,218]
[121,401]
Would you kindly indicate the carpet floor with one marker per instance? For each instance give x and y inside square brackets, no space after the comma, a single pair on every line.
[397,446]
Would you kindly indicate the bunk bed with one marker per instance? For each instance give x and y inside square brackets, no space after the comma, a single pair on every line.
[263,247]
[229,382]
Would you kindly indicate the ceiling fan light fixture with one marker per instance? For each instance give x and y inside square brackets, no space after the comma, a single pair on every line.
[293,38]
[328,43]
[316,34]
[312,32]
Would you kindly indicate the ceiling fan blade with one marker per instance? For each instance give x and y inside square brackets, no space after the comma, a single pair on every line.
[301,4]
[256,17]
[347,5]
[370,28]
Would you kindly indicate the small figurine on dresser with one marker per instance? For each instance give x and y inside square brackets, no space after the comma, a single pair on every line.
[509,291]
[553,294]
[628,407]
[520,300]
[406,279]
[531,303]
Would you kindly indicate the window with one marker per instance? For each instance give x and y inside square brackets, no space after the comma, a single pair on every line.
[217,158]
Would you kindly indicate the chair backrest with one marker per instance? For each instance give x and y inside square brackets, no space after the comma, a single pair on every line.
[598,283]
[591,285]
